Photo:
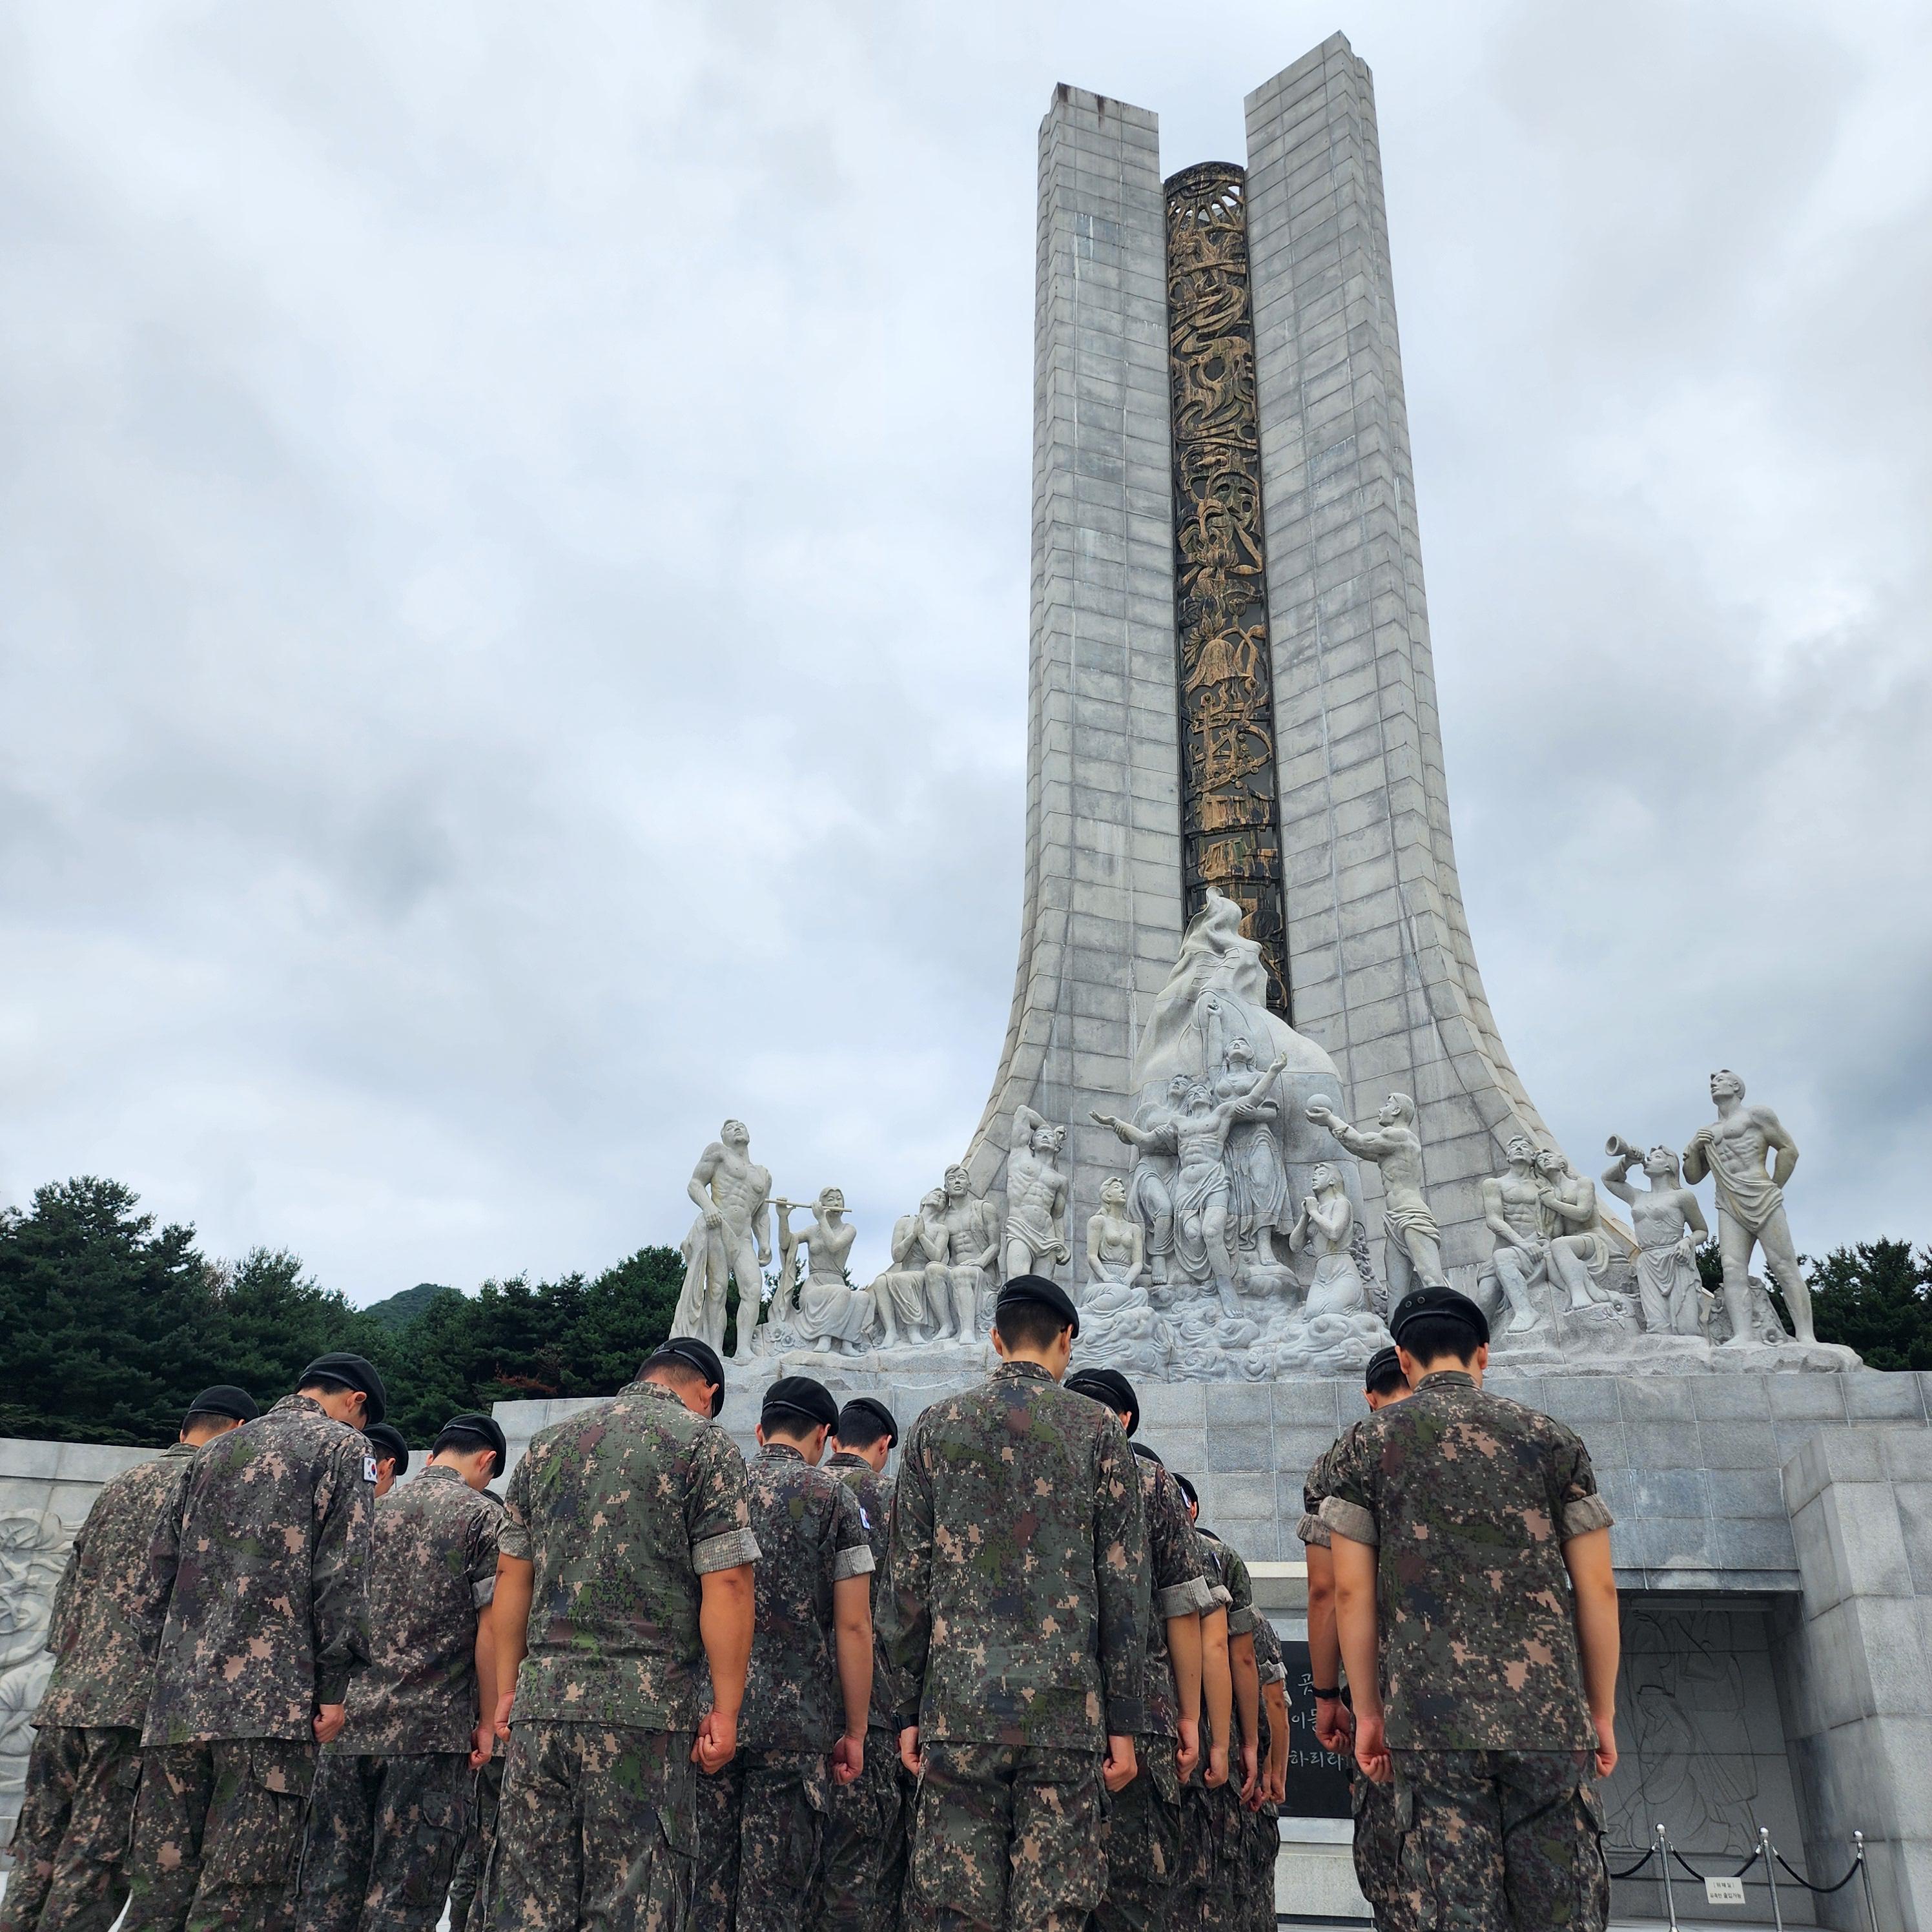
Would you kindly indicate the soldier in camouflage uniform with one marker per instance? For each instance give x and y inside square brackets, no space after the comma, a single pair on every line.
[1218,1868]
[625,1568]
[268,1559]
[810,1689]
[1260,1832]
[1019,1638]
[1377,1844]
[472,1860]
[1144,1828]
[1217,1708]
[391,1799]
[863,1866]
[391,1453]
[1498,1651]
[70,1839]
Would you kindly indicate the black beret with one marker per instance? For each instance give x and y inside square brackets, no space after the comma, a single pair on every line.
[1140,1450]
[687,1351]
[389,1446]
[1380,1363]
[879,1413]
[1048,1293]
[1442,1301]
[354,1371]
[1188,1490]
[474,1430]
[801,1396]
[1111,1387]
[225,1399]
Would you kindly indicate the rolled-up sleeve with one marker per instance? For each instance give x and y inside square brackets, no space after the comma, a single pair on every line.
[1585,1514]
[1350,1519]
[724,1553]
[1580,1509]
[1192,1598]
[855,1562]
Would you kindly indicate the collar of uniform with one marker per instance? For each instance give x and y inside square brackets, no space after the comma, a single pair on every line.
[179,1448]
[657,1391]
[1033,1371]
[777,1452]
[442,1472]
[847,1458]
[1447,1378]
[307,1404]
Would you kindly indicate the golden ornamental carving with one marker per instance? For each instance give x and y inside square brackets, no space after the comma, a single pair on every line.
[1230,817]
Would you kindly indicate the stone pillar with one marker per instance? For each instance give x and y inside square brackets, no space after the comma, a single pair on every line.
[1101,923]
[1379,959]
[1855,1665]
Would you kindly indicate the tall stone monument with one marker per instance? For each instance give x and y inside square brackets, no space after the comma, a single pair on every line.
[1231,683]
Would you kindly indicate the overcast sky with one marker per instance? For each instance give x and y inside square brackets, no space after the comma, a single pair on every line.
[513,568]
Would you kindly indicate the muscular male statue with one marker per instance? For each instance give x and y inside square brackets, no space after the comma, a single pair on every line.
[1751,1205]
[1512,1212]
[972,1245]
[1036,1194]
[729,1237]
[1198,1138]
[1412,1256]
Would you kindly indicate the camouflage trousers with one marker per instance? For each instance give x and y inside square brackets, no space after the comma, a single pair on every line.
[759,1822]
[1206,1896]
[862,1866]
[598,1828]
[1144,1844]
[1261,1845]
[1378,1850]
[473,1860]
[1501,1841]
[70,1840]
[1005,1838]
[383,1834]
[217,1835]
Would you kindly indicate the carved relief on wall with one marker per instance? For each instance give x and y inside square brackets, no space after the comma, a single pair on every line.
[34,1548]
[1230,819]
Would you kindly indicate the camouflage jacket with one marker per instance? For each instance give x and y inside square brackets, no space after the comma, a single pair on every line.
[874,1492]
[268,1560]
[1018,1562]
[1177,1584]
[434,1569]
[108,1610]
[811,1535]
[1469,1498]
[621,1509]
[1229,1570]
[1320,1483]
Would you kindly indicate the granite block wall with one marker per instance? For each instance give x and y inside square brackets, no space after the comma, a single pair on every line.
[1101,922]
[1383,975]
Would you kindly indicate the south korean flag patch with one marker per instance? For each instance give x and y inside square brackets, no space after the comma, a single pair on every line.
[368,1468]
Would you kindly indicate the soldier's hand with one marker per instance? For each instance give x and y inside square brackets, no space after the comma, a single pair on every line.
[911,1756]
[329,1720]
[1607,1743]
[1277,1784]
[848,1759]
[483,1745]
[1188,1753]
[1216,1773]
[1334,1725]
[1118,1770]
[717,1743]
[1371,1749]
[502,1726]
[1250,1770]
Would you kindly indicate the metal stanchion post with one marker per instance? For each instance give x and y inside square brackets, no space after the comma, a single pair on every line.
[1768,1852]
[1670,1896]
[1865,1876]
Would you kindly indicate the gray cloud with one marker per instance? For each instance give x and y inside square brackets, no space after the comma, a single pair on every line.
[513,559]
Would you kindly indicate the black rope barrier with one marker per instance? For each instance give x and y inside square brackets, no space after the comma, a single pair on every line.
[1638,1867]
[1823,1891]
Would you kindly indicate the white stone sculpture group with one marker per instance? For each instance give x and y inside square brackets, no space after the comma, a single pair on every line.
[1237,1247]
